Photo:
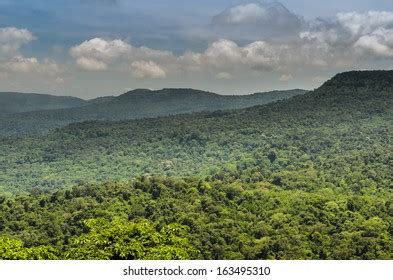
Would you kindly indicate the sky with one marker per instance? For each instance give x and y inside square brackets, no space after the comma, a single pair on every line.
[90,48]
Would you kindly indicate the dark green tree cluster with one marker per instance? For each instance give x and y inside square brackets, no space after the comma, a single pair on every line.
[163,218]
[104,240]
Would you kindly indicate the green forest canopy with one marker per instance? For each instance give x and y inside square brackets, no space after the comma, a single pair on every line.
[305,178]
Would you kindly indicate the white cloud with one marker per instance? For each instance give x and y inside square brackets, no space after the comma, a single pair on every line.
[365,23]
[285,78]
[91,64]
[226,55]
[338,43]
[256,21]
[379,43]
[223,52]
[21,71]
[335,43]
[224,76]
[353,36]
[96,53]
[261,55]
[21,64]
[147,69]
[11,39]
[12,61]
[221,56]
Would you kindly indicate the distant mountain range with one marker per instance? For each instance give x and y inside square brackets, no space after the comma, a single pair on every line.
[33,113]
[16,102]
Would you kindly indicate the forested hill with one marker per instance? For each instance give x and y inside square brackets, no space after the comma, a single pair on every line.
[372,80]
[322,131]
[305,178]
[15,102]
[141,103]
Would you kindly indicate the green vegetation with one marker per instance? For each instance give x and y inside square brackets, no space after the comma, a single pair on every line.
[141,103]
[340,135]
[162,218]
[15,102]
[305,178]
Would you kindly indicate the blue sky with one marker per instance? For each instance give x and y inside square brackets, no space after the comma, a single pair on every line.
[96,47]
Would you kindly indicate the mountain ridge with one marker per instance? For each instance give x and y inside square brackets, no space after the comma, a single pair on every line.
[136,104]
[18,102]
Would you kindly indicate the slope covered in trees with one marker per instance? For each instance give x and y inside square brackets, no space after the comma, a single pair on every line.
[305,178]
[343,133]
[141,103]
[15,102]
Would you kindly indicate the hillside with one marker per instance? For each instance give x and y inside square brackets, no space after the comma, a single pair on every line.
[136,104]
[304,178]
[15,102]
[331,122]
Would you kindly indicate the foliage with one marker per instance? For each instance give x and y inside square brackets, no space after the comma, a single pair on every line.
[130,241]
[15,102]
[224,221]
[135,104]
[341,136]
[305,178]
[13,249]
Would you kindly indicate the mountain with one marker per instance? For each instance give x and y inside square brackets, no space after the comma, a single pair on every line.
[146,103]
[140,103]
[332,123]
[309,177]
[101,100]
[15,102]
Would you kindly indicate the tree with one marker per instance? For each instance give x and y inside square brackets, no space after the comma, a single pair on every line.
[120,240]
[13,249]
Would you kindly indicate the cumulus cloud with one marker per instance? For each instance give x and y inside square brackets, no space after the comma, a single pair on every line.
[221,56]
[91,64]
[21,64]
[331,42]
[226,55]
[257,20]
[379,43]
[98,54]
[285,78]
[360,24]
[338,42]
[147,69]
[15,65]
[95,54]
[274,39]
[11,39]
[353,35]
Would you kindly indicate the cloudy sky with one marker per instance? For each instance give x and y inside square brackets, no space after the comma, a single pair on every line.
[91,48]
